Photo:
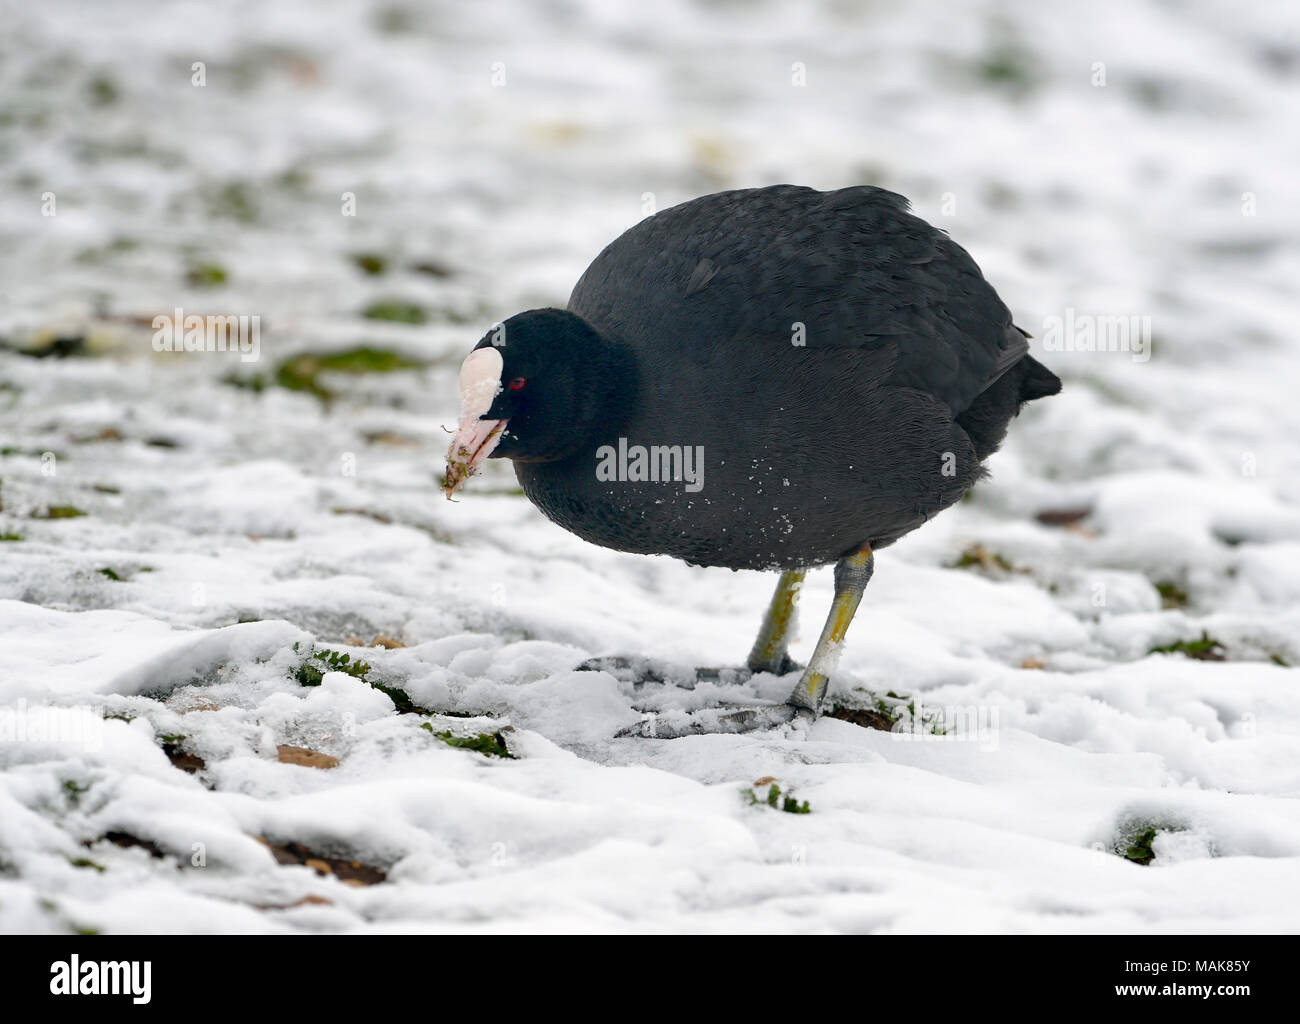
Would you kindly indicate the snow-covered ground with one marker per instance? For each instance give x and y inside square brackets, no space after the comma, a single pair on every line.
[1132,159]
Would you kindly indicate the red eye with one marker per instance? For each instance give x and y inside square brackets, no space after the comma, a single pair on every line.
[517,384]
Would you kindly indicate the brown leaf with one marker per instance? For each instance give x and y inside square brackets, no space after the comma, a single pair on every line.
[350,872]
[303,756]
[864,717]
[186,762]
[1063,516]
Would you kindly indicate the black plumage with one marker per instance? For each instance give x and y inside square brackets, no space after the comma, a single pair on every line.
[842,366]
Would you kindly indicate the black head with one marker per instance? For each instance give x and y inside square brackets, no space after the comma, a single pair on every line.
[551,384]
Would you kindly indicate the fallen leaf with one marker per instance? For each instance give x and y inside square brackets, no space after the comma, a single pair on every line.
[303,756]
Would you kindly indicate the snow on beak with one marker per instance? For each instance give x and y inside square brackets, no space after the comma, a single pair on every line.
[480,382]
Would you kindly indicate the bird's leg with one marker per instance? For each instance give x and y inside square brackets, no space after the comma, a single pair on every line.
[852,573]
[769,651]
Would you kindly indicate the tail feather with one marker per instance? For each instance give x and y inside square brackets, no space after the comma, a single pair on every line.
[986,421]
[1036,380]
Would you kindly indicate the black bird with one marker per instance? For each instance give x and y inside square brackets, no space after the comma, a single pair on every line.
[774,378]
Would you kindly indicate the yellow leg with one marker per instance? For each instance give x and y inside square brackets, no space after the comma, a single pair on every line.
[851,575]
[769,651]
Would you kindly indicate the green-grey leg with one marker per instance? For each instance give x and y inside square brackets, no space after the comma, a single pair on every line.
[852,573]
[769,651]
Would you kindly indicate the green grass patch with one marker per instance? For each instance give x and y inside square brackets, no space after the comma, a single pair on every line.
[977,556]
[61,512]
[778,800]
[234,201]
[206,275]
[396,311]
[1204,649]
[370,263]
[302,372]
[10,536]
[490,744]
[102,91]
[312,671]
[1171,595]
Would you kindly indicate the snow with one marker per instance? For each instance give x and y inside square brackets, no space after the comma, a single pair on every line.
[242,524]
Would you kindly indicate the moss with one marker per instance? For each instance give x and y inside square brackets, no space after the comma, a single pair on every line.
[61,512]
[103,91]
[302,372]
[206,275]
[396,311]
[490,744]
[778,801]
[1204,649]
[1007,64]
[1171,595]
[256,383]
[234,201]
[366,359]
[9,536]
[977,556]
[370,263]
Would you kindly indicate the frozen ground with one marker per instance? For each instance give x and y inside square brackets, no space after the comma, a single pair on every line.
[223,526]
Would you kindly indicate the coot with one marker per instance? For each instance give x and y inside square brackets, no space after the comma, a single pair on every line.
[773,378]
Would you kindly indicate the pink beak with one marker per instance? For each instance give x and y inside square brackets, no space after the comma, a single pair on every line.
[480,382]
[473,443]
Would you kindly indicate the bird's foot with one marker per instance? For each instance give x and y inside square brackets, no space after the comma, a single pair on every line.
[642,671]
[781,667]
[667,725]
